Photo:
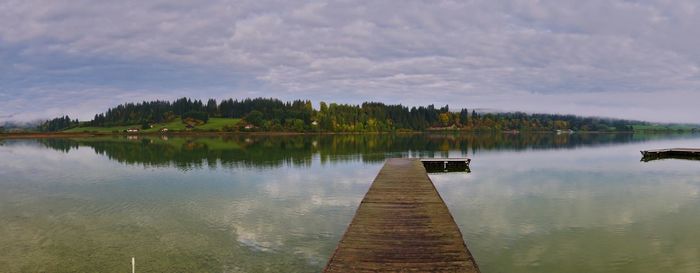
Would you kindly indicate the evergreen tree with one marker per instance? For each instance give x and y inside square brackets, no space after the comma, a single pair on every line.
[464,116]
[212,108]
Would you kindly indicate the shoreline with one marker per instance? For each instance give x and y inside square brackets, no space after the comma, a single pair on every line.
[26,135]
[185,133]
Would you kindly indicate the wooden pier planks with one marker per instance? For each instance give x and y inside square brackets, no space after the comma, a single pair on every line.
[402,225]
[679,153]
[673,150]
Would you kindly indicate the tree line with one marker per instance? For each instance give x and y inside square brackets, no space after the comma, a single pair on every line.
[269,114]
[58,124]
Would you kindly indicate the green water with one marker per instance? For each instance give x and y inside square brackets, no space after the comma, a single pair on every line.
[532,203]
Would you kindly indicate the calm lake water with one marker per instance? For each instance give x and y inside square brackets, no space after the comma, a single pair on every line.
[532,202]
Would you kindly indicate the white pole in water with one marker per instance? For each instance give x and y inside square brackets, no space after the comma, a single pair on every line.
[133,265]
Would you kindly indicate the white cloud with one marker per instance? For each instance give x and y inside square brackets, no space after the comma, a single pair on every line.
[619,57]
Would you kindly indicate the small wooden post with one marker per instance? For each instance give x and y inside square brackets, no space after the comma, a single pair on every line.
[133,265]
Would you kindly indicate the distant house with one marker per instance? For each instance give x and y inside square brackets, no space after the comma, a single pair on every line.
[248,126]
[132,130]
[569,131]
[163,130]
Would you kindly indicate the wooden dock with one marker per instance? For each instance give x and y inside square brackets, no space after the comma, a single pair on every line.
[438,165]
[402,225]
[680,153]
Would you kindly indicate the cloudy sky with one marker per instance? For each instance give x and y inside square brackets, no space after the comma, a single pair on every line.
[627,59]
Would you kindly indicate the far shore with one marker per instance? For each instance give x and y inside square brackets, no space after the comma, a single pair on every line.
[22,135]
[174,133]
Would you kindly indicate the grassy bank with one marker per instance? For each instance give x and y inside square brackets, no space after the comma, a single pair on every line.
[667,127]
[214,124]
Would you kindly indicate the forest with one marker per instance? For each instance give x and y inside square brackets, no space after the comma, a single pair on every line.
[58,124]
[269,114]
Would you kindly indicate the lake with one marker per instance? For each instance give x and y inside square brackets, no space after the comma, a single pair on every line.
[531,203]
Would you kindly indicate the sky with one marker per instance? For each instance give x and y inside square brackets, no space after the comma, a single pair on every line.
[623,59]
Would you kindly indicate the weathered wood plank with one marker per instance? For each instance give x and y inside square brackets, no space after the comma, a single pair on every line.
[676,153]
[672,150]
[402,225]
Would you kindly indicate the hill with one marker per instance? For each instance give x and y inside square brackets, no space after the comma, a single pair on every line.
[268,114]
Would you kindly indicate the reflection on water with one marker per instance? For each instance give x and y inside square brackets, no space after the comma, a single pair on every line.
[532,203]
[274,151]
[592,210]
